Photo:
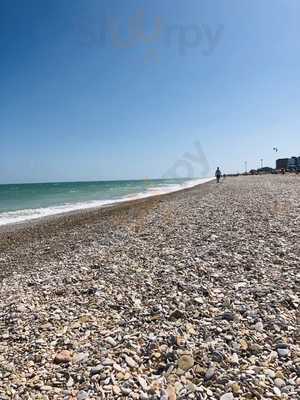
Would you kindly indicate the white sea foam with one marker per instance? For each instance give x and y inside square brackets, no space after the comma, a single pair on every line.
[13,217]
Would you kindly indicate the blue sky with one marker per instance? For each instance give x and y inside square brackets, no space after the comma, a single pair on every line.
[113,90]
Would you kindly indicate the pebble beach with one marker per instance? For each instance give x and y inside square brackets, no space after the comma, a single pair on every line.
[190,295]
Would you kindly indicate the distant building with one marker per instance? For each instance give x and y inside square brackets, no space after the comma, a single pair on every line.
[292,166]
[288,164]
[265,170]
[282,163]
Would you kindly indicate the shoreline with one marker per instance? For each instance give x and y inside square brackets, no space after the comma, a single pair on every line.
[12,233]
[87,206]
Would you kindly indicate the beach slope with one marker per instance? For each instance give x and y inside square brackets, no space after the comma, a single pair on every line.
[189,295]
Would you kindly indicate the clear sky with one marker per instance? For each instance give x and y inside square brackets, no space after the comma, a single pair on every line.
[109,89]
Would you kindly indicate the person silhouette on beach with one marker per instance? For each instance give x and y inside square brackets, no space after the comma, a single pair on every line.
[218,175]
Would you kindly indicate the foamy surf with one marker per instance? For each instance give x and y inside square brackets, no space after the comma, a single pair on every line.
[19,216]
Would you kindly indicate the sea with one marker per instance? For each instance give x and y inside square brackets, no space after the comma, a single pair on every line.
[23,202]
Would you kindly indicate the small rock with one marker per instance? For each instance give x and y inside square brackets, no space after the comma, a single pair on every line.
[236,389]
[82,395]
[191,387]
[282,352]
[180,341]
[259,326]
[96,370]
[180,372]
[21,308]
[70,382]
[111,341]
[210,373]
[243,345]
[171,393]
[281,345]
[62,357]
[234,359]
[130,362]
[143,383]
[185,362]
[280,374]
[107,362]
[277,391]
[227,316]
[178,387]
[270,373]
[116,390]
[255,348]
[118,368]
[198,300]
[81,357]
[279,382]
[227,396]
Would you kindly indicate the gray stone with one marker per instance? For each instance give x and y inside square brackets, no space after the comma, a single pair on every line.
[279,382]
[227,396]
[283,352]
[82,395]
[210,373]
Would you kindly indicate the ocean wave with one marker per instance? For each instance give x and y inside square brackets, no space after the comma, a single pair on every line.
[13,217]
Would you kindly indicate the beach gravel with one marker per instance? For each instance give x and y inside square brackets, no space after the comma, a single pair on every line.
[193,295]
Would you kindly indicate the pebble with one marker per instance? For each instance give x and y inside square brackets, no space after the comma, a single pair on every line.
[111,341]
[210,373]
[270,373]
[171,393]
[116,390]
[227,316]
[21,308]
[279,382]
[130,362]
[82,395]
[143,383]
[70,382]
[63,357]
[227,396]
[97,370]
[234,359]
[108,362]
[80,357]
[277,391]
[236,389]
[259,326]
[243,345]
[185,362]
[283,352]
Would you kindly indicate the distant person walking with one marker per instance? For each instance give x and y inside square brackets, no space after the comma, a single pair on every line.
[218,175]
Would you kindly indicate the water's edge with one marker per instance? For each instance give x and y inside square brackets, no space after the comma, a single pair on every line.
[20,216]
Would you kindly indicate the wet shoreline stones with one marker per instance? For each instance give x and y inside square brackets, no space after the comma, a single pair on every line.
[196,297]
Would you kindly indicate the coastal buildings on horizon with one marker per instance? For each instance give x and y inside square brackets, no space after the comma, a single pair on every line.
[288,164]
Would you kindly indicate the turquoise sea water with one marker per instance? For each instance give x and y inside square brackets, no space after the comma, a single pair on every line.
[29,201]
